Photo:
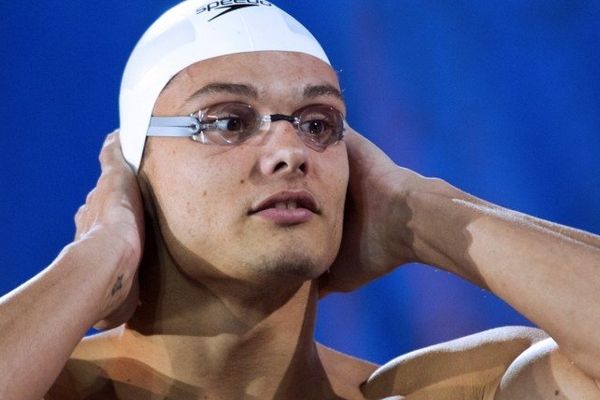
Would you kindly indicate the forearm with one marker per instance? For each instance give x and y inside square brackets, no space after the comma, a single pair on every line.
[41,322]
[572,233]
[549,273]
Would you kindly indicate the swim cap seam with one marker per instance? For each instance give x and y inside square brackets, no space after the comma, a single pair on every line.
[248,34]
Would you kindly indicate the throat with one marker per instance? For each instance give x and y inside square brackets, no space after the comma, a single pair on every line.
[129,379]
[222,338]
[263,363]
[227,351]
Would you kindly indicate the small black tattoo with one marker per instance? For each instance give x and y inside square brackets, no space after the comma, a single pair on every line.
[118,285]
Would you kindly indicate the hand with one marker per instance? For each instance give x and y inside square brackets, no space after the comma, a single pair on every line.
[110,232]
[376,237]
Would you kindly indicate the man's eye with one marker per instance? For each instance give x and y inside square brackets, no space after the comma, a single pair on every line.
[320,122]
[228,123]
[231,124]
[315,127]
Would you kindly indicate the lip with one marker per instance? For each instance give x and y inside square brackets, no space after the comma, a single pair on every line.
[306,207]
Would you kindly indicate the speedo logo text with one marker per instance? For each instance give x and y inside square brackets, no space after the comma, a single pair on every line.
[230,5]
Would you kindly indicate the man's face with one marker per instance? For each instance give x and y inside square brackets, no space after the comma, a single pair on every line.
[208,197]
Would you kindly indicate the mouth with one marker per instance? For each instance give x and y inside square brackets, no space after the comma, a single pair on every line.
[287,207]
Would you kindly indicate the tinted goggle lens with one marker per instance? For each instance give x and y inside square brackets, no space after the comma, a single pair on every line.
[320,125]
[228,123]
[231,123]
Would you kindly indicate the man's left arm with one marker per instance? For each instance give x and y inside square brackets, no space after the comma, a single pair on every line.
[548,272]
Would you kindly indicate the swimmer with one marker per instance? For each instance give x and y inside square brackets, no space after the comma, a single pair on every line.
[218,223]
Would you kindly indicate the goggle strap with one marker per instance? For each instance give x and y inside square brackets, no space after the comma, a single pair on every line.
[173,126]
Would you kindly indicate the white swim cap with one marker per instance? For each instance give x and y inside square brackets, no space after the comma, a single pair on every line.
[193,31]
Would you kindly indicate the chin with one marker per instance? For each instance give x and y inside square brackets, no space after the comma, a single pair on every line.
[291,265]
[304,255]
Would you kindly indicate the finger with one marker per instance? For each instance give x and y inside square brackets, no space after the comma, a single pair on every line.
[82,222]
[360,148]
[350,131]
[78,221]
[111,154]
[80,211]
[116,172]
[354,138]
[90,196]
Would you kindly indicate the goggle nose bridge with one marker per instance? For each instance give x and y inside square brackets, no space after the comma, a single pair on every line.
[281,117]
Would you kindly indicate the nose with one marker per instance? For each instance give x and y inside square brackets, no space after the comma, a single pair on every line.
[284,152]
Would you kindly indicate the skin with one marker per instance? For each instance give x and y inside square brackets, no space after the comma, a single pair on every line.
[205,178]
[227,304]
[201,319]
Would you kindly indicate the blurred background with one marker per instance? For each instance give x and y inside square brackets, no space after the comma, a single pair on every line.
[501,99]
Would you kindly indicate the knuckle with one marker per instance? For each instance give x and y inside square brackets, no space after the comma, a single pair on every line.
[111,137]
[80,211]
[104,156]
[117,178]
[110,154]
[90,196]
[108,182]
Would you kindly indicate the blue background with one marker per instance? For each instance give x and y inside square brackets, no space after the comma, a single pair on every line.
[499,98]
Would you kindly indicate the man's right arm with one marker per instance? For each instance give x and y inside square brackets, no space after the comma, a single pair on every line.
[92,280]
[42,321]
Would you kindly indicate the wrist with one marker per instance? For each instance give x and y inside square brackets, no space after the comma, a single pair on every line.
[99,261]
[438,226]
[81,281]
[412,192]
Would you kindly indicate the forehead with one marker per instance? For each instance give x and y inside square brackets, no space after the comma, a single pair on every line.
[270,72]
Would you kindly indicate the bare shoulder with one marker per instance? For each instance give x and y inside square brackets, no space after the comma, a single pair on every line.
[84,373]
[111,365]
[544,372]
[346,373]
[467,368]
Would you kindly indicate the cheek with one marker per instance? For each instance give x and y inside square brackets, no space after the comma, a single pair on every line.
[191,199]
[337,175]
[333,178]
[202,201]
[201,208]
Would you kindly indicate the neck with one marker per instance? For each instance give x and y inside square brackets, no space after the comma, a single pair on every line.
[226,339]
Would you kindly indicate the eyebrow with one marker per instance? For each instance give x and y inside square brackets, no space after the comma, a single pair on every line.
[312,91]
[240,89]
[231,88]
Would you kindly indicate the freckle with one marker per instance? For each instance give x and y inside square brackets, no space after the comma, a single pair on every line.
[204,193]
[242,182]
[556,392]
